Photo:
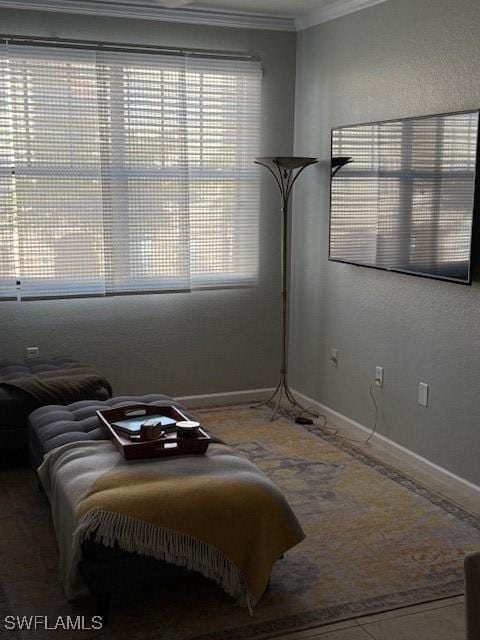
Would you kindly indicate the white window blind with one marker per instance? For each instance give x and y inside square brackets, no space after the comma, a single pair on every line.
[126,172]
[7,221]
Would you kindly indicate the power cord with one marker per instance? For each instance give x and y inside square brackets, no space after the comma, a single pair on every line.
[374,400]
[335,432]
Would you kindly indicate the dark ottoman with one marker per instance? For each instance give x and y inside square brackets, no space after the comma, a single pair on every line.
[15,404]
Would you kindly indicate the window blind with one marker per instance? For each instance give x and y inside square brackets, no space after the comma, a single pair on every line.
[126,172]
[223,135]
[8,247]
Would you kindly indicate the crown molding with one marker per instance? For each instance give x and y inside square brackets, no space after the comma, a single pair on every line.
[142,10]
[332,9]
[147,11]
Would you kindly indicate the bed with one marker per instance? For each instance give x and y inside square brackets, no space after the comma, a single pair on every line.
[216,514]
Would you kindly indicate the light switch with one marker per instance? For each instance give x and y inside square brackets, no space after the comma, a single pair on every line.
[423,394]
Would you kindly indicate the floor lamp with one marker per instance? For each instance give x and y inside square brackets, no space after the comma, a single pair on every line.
[285,171]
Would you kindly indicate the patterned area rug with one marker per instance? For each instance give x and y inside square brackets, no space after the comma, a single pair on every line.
[375,541]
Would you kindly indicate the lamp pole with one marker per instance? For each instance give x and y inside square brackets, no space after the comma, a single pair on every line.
[285,171]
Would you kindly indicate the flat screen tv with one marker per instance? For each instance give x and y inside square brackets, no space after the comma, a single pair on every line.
[405,200]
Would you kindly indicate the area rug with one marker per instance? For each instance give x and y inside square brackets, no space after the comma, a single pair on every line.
[375,541]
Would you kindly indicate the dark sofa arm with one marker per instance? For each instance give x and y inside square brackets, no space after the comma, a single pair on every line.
[472,595]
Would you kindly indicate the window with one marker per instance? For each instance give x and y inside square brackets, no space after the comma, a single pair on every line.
[126,172]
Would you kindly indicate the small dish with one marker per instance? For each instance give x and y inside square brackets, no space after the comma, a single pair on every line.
[188,429]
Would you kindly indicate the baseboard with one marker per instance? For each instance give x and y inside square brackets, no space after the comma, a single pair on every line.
[226,398]
[469,489]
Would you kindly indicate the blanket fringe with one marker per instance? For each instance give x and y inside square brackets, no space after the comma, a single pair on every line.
[145,538]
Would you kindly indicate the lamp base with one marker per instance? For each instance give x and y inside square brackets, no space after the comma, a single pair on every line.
[295,408]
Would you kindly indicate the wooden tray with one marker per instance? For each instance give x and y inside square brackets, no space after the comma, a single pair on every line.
[170,445]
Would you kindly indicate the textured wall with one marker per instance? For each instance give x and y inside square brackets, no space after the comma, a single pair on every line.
[189,343]
[400,58]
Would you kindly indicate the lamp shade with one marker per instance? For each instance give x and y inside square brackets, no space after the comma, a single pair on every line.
[285,162]
[340,161]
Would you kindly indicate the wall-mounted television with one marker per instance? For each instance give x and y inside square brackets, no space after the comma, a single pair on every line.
[405,200]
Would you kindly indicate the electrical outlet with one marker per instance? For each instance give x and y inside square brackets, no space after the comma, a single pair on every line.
[423,394]
[334,357]
[32,352]
[379,376]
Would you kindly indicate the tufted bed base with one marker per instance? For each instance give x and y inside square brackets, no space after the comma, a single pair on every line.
[104,570]
[120,521]
[55,425]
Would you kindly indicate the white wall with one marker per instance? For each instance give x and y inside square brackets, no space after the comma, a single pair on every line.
[188,343]
[399,58]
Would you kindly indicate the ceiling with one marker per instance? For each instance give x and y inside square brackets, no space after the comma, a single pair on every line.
[287,15]
[285,8]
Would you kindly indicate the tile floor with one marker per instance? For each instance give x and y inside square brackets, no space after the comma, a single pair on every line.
[440,620]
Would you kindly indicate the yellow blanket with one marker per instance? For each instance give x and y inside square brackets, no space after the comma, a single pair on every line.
[216,514]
